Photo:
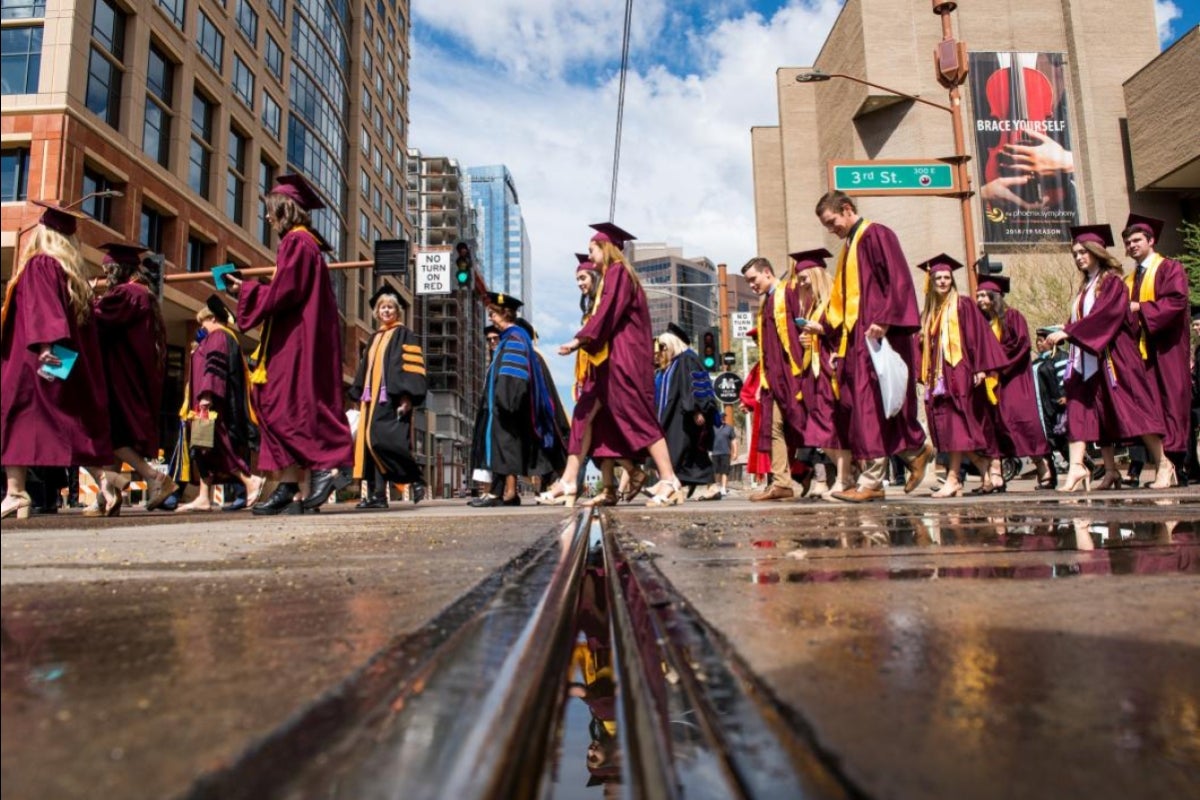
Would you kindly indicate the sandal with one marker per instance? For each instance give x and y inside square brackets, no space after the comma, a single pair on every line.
[564,496]
[606,497]
[672,498]
[637,480]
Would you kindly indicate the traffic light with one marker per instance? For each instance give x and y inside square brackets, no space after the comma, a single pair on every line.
[462,267]
[709,354]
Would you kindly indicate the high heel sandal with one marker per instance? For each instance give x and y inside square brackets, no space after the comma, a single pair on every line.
[637,480]
[1111,481]
[672,498]
[1172,478]
[565,497]
[18,504]
[606,497]
[948,490]
[1075,475]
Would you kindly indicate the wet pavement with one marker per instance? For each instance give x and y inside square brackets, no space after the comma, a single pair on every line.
[1010,646]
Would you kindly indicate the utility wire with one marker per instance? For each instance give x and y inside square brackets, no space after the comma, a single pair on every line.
[612,197]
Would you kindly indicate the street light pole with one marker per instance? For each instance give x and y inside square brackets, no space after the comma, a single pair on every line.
[950,64]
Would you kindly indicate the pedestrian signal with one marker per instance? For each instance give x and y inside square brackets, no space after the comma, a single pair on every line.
[462,267]
[709,354]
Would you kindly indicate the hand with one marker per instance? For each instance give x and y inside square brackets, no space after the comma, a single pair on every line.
[699,418]
[568,348]
[1000,190]
[1056,338]
[1135,307]
[46,356]
[742,407]
[1047,157]
[877,331]
[814,327]
[232,285]
[99,285]
[404,407]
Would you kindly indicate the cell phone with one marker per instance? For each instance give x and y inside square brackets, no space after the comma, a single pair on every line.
[801,322]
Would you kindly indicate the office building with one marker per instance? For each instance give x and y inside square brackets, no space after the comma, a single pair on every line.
[504,253]
[679,290]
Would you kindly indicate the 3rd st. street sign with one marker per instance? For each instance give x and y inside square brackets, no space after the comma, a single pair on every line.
[901,177]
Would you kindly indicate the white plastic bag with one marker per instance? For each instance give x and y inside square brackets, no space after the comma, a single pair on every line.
[893,375]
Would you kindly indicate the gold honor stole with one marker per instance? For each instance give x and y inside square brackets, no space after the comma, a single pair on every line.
[779,316]
[259,356]
[992,382]
[945,324]
[1145,295]
[843,301]
[585,362]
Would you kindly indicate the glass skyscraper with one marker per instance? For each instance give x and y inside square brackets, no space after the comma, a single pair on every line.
[503,254]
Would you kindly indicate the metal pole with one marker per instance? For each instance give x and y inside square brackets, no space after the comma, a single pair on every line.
[252,272]
[944,8]
[723,311]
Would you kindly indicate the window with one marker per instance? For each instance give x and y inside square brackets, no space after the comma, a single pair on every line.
[16,174]
[279,9]
[235,188]
[195,254]
[22,58]
[378,82]
[106,62]
[201,147]
[108,28]
[365,142]
[156,130]
[391,68]
[377,200]
[266,179]
[176,11]
[211,42]
[23,9]
[274,57]
[388,177]
[247,21]
[98,208]
[368,23]
[364,183]
[377,161]
[391,105]
[364,225]
[272,117]
[243,80]
[367,61]
[151,230]
[366,100]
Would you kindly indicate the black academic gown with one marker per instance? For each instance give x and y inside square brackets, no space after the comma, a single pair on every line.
[686,388]
[392,366]
[512,427]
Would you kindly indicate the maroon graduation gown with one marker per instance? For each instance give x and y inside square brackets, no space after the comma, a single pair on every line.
[1018,427]
[1109,408]
[627,423]
[133,346]
[300,413]
[823,421]
[50,423]
[217,371]
[887,297]
[958,410]
[1165,320]
[782,385]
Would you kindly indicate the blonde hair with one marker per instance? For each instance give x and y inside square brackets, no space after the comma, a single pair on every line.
[64,250]
[205,314]
[821,283]
[612,256]
[932,302]
[387,298]
[671,344]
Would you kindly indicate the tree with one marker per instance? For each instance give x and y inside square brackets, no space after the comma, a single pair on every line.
[1190,257]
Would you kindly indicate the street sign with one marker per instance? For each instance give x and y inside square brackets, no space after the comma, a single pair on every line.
[728,387]
[741,322]
[895,177]
[433,270]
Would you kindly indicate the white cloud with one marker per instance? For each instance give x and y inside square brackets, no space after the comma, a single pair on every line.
[526,101]
[1165,12]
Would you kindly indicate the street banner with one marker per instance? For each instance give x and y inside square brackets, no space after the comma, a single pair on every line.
[433,270]
[1023,147]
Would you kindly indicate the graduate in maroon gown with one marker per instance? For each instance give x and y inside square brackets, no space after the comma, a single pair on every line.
[217,387]
[618,340]
[47,316]
[824,420]
[872,298]
[296,378]
[1110,395]
[1158,297]
[133,344]
[958,353]
[1016,415]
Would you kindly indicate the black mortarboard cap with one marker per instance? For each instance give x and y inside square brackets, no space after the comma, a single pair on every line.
[1149,225]
[504,300]
[1100,234]
[123,253]
[985,266]
[679,333]
[218,308]
[298,189]
[940,263]
[380,292]
[608,232]
[1195,312]
[57,218]
[808,259]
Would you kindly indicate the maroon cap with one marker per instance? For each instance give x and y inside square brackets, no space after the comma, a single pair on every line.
[1148,225]
[607,232]
[1100,234]
[807,259]
[298,189]
[994,283]
[57,218]
[939,263]
[585,262]
[123,253]
[752,333]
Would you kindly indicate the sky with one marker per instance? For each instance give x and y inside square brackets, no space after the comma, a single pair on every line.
[533,84]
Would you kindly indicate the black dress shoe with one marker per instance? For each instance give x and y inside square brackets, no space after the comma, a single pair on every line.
[279,500]
[374,501]
[487,501]
[418,492]
[319,488]
[515,500]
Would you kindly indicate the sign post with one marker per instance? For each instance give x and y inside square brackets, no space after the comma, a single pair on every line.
[433,270]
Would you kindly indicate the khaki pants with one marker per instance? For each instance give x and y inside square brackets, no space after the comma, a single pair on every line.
[781,465]
[872,470]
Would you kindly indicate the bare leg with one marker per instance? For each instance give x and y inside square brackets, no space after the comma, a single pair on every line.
[953,487]
[17,501]
[667,481]
[203,501]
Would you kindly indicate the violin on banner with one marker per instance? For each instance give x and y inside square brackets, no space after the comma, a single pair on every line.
[1021,94]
